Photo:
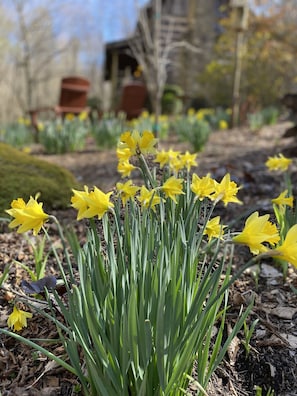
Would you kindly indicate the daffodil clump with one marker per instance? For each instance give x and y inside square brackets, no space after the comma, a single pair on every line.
[17,134]
[154,274]
[276,240]
[284,205]
[107,128]
[62,136]
[217,118]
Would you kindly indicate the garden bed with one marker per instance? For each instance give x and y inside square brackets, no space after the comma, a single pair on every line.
[272,360]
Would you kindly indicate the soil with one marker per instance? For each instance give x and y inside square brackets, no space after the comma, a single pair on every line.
[271,363]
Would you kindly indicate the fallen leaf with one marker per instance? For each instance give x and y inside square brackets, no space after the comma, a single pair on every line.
[283,312]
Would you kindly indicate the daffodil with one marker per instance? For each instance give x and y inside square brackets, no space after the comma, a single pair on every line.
[176,164]
[18,319]
[188,160]
[125,168]
[69,117]
[138,143]
[202,187]
[162,157]
[40,126]
[147,143]
[91,204]
[213,228]
[145,114]
[79,201]
[173,154]
[18,203]
[148,198]
[126,190]
[123,154]
[173,187]
[27,216]
[282,199]
[83,116]
[191,112]
[288,249]
[223,124]
[24,121]
[257,230]
[98,203]
[278,163]
[200,114]
[128,141]
[226,191]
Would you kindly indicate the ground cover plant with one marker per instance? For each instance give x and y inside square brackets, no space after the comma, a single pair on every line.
[22,174]
[184,223]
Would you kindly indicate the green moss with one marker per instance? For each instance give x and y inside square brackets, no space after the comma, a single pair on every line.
[22,175]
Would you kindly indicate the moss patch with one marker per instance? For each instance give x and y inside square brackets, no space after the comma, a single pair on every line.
[22,175]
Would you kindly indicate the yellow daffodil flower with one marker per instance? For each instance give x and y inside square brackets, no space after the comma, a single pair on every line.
[18,319]
[28,216]
[213,228]
[148,198]
[257,230]
[40,126]
[125,168]
[138,143]
[202,187]
[176,164]
[282,199]
[147,143]
[83,116]
[145,114]
[188,160]
[69,117]
[200,115]
[223,124]
[278,163]
[26,150]
[91,204]
[24,121]
[191,112]
[162,157]
[288,249]
[126,191]
[98,203]
[18,203]
[173,187]
[79,201]
[226,191]
[124,154]
[173,154]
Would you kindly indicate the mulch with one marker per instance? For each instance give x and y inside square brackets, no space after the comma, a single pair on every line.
[272,360]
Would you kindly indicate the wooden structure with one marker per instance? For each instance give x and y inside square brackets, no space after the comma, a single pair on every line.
[73,99]
[193,21]
[133,98]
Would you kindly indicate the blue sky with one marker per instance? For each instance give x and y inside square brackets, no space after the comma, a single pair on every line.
[117,16]
[109,19]
[93,22]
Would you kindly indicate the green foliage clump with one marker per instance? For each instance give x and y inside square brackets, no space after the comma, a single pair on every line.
[17,134]
[23,175]
[267,116]
[68,136]
[171,100]
[107,130]
[194,131]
